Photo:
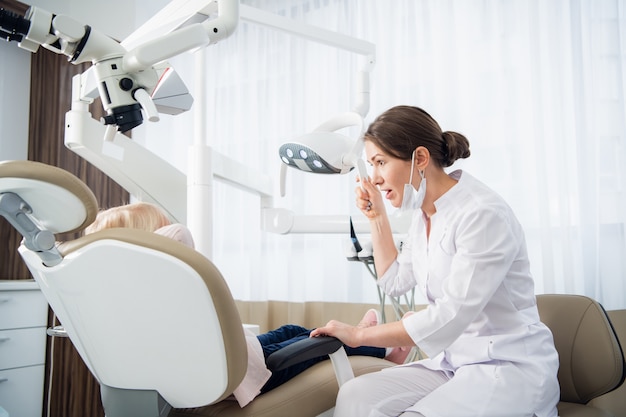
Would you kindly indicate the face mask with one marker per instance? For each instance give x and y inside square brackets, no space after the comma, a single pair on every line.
[412,199]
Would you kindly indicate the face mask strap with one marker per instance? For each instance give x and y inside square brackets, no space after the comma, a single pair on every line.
[412,167]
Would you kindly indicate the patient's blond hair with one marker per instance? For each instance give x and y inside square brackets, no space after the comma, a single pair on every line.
[140,215]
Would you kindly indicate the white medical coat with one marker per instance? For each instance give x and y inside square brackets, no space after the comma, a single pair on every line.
[481,316]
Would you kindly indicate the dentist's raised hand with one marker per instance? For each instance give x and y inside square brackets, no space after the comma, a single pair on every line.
[369,199]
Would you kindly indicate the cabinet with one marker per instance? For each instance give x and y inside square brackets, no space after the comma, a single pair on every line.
[23,321]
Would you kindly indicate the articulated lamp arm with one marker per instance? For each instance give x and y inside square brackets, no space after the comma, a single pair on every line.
[125,78]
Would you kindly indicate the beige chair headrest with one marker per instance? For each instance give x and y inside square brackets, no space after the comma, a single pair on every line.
[59,200]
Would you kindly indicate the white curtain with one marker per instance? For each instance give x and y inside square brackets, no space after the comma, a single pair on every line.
[536,86]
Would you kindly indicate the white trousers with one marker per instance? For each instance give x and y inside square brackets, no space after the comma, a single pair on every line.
[495,389]
[387,393]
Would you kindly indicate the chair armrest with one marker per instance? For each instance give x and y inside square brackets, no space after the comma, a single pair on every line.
[312,347]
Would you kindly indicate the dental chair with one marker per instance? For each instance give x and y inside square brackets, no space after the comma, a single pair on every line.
[153,320]
[590,356]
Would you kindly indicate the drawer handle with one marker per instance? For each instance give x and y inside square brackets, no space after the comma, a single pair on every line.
[4,339]
[57,331]
[3,379]
[5,300]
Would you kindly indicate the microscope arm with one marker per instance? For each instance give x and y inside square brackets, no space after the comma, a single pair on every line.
[126,79]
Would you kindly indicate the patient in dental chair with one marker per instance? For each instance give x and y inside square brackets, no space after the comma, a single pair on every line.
[143,216]
[258,378]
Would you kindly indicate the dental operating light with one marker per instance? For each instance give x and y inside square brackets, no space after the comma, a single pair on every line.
[324,151]
[326,159]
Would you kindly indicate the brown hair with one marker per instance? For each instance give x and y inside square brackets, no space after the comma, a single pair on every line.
[140,215]
[401,129]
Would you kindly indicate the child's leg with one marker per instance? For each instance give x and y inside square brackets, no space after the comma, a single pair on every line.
[282,334]
[281,337]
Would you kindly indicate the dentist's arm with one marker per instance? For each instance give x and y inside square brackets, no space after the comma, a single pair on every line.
[384,335]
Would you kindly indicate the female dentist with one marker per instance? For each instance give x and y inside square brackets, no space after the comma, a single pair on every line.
[488,353]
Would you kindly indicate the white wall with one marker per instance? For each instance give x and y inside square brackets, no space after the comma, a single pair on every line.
[14,101]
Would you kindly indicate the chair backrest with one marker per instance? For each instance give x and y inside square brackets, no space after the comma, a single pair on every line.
[145,312]
[591,359]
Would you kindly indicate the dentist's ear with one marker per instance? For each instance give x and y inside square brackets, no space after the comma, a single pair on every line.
[422,158]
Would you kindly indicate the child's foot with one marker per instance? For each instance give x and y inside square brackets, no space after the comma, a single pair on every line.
[398,355]
[371,318]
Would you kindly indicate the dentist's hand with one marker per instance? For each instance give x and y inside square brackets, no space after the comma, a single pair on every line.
[348,334]
[369,199]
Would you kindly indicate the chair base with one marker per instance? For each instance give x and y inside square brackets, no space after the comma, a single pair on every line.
[133,403]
